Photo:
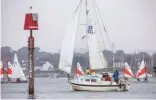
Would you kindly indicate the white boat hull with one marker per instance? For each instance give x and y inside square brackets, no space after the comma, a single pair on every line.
[14,80]
[86,87]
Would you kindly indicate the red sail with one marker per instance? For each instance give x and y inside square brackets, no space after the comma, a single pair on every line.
[9,71]
[78,71]
[127,72]
[143,71]
[2,70]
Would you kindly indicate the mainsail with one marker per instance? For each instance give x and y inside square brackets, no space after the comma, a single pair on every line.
[17,71]
[68,44]
[127,71]
[142,70]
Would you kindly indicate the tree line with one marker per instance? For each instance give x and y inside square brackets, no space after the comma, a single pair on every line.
[40,57]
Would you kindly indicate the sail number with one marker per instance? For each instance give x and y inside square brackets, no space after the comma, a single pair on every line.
[90,29]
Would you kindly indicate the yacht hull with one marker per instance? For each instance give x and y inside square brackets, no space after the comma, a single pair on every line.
[99,87]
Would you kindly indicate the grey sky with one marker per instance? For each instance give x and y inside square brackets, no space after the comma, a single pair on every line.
[131,24]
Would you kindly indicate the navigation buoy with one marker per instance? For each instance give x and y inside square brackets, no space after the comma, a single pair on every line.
[31,23]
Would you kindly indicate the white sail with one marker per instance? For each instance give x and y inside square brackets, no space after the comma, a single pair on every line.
[127,71]
[15,58]
[22,76]
[142,70]
[97,59]
[68,44]
[17,71]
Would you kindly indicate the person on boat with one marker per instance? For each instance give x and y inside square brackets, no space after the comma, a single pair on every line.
[88,72]
[92,72]
[88,69]
[116,76]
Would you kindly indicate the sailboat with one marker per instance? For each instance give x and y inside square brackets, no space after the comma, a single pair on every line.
[1,72]
[127,71]
[9,71]
[79,70]
[142,74]
[17,72]
[96,58]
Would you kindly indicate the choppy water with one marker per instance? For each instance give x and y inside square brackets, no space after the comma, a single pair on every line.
[59,88]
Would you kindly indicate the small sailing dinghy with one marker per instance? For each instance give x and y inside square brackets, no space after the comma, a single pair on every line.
[142,74]
[17,72]
[2,72]
[79,70]
[83,82]
[127,71]
[9,71]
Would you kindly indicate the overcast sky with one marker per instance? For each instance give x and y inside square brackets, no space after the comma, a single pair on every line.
[131,24]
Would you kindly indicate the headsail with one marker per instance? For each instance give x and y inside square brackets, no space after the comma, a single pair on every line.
[79,70]
[22,76]
[127,71]
[68,44]
[142,70]
[15,71]
[97,59]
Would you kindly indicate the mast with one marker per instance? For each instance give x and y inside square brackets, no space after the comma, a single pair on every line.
[151,62]
[113,54]
[122,59]
[145,66]
[87,11]
[137,59]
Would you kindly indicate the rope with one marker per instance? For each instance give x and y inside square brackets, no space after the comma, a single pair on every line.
[77,8]
[98,23]
[102,22]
